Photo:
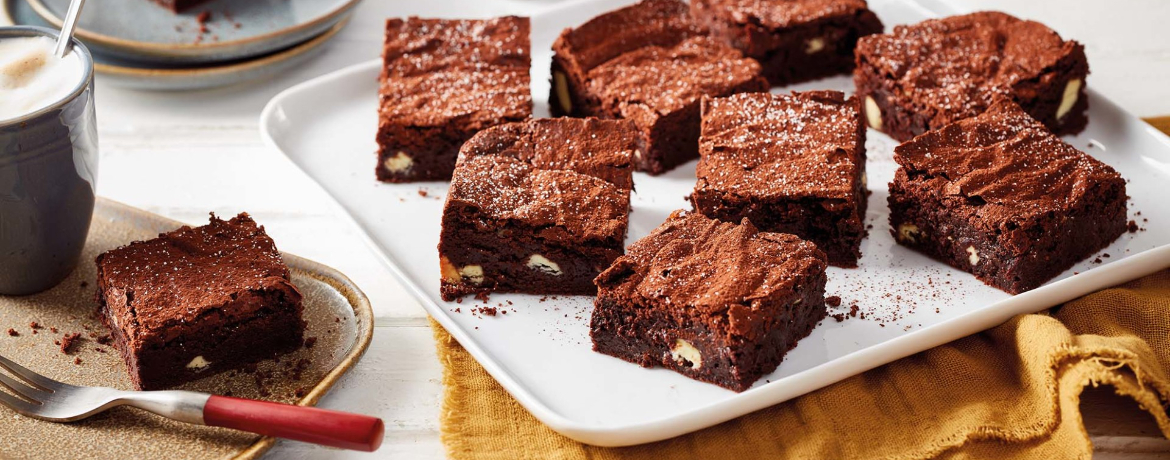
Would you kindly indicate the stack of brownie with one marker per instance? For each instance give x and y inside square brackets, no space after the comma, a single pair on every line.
[721,294]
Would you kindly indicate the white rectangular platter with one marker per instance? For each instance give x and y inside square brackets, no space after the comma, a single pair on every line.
[540,349]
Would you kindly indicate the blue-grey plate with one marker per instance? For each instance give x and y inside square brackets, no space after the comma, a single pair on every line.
[177,77]
[143,31]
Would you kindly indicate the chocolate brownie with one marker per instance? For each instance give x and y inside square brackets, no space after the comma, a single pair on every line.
[197,301]
[794,40]
[714,301]
[179,5]
[789,163]
[444,80]
[931,74]
[539,207]
[1000,196]
[649,63]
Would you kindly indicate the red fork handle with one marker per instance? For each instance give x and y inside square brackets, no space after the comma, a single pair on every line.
[307,424]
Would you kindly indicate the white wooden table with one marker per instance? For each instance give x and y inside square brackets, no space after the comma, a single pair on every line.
[183,155]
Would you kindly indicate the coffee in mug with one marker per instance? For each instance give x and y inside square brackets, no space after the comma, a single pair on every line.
[48,158]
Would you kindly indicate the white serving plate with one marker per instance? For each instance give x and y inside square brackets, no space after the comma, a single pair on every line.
[540,350]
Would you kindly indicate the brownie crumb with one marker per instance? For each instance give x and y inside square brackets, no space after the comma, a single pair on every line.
[833,301]
[53,329]
[300,392]
[839,317]
[12,332]
[77,361]
[483,296]
[1133,226]
[310,341]
[422,192]
[488,311]
[34,325]
[105,339]
[68,341]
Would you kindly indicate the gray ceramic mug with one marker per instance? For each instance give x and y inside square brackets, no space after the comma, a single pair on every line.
[48,171]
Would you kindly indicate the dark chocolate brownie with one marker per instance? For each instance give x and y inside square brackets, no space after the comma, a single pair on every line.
[179,5]
[443,81]
[197,301]
[714,301]
[789,163]
[539,207]
[649,63]
[1000,196]
[794,40]
[927,75]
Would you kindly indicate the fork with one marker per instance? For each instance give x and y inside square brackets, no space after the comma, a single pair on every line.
[47,399]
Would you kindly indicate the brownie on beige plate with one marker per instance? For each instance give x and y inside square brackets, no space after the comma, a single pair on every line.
[197,301]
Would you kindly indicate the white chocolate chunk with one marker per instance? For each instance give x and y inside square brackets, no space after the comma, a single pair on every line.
[814,45]
[198,363]
[542,264]
[561,84]
[873,113]
[908,232]
[400,162]
[683,352]
[473,273]
[972,255]
[1072,91]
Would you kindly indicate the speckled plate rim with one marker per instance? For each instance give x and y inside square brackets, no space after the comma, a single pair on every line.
[362,312]
[168,50]
[6,19]
[296,50]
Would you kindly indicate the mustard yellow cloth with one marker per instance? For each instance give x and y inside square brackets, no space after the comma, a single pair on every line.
[1012,392]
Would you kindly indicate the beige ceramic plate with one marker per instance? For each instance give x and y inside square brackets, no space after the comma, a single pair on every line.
[337,312]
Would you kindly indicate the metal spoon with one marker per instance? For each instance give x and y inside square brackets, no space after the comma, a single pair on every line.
[65,38]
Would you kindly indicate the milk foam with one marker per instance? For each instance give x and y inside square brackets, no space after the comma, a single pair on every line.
[32,78]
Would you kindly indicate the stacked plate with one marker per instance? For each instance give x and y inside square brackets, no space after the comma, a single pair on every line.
[140,44]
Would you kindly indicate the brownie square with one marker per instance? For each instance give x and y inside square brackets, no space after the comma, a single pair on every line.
[444,80]
[1000,196]
[538,207]
[790,164]
[197,301]
[651,64]
[179,5]
[714,301]
[925,76]
[794,40]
